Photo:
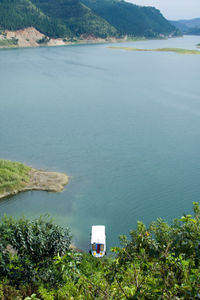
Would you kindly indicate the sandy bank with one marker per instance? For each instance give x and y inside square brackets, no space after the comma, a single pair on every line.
[42,181]
[30,37]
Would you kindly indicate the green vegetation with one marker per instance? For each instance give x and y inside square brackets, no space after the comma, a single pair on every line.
[20,14]
[176,50]
[158,262]
[133,20]
[63,18]
[92,18]
[77,17]
[13,175]
[8,43]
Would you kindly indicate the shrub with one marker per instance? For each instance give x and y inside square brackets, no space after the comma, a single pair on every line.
[28,247]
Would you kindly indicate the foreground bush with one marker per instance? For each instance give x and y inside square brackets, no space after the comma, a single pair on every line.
[158,262]
[27,248]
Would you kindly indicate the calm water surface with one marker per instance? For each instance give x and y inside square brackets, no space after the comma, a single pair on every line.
[124,125]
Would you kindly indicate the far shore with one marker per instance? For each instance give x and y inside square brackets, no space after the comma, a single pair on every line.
[60,42]
[41,181]
[31,37]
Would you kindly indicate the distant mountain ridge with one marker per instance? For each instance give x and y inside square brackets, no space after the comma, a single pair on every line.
[191,26]
[74,18]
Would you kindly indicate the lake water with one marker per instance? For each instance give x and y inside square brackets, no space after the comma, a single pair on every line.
[125,126]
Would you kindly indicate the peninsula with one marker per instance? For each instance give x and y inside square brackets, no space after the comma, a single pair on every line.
[16,177]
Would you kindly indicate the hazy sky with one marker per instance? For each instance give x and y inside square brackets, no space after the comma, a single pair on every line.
[174,9]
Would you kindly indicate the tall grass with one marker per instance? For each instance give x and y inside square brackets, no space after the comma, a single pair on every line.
[13,175]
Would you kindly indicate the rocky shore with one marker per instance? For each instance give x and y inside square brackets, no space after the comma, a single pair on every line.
[30,37]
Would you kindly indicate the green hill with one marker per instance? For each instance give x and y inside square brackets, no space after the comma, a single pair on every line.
[131,19]
[55,18]
[77,17]
[20,14]
[72,18]
[191,27]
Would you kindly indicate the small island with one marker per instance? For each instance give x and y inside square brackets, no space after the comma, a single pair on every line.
[16,177]
[176,50]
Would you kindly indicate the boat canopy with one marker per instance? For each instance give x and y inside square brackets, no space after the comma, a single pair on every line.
[98,235]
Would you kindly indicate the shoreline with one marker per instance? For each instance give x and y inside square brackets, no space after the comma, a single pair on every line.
[77,42]
[32,38]
[40,180]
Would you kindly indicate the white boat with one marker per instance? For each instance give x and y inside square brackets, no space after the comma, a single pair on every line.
[98,241]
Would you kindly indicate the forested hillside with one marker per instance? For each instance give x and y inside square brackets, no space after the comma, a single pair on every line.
[77,17]
[131,19]
[20,14]
[72,18]
[55,18]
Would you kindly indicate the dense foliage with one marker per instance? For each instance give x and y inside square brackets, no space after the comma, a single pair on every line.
[27,251]
[13,175]
[75,18]
[158,262]
[131,19]
[55,18]
[20,14]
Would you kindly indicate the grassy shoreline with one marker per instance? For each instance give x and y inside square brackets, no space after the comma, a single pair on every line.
[13,176]
[16,177]
[175,50]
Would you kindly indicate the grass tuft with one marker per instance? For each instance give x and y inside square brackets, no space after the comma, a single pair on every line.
[13,175]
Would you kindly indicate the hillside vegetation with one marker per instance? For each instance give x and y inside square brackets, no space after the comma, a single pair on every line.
[20,14]
[131,19]
[161,261]
[84,18]
[77,17]
[55,18]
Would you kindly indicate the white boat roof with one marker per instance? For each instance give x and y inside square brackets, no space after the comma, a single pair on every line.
[98,234]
